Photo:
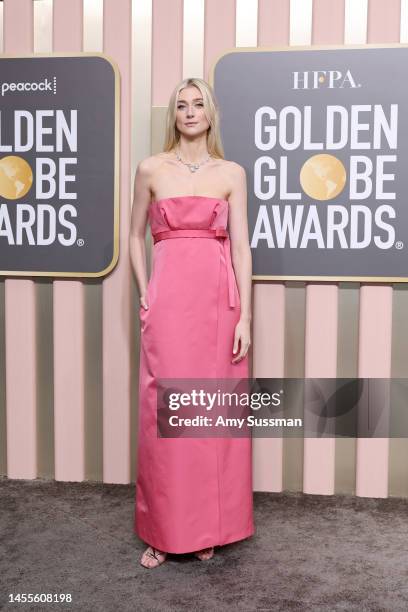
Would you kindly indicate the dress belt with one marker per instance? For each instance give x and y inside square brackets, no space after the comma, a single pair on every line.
[218,232]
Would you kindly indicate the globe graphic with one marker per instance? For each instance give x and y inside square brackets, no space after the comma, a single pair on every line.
[323,177]
[16,177]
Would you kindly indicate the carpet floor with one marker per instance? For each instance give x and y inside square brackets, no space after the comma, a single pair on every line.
[309,552]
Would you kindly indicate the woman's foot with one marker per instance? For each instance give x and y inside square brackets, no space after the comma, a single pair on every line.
[152,557]
[205,554]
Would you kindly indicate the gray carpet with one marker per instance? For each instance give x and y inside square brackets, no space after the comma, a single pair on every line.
[309,552]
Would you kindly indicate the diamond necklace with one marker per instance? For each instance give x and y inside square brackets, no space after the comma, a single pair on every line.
[192,167]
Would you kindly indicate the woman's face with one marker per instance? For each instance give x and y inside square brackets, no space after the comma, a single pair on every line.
[190,117]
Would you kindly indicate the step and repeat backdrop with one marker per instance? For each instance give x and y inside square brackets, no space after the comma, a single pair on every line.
[312,105]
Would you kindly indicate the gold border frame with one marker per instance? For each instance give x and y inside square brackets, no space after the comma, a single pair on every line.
[116,192]
[233,50]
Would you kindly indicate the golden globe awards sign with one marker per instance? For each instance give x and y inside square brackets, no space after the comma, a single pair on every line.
[323,135]
[59,208]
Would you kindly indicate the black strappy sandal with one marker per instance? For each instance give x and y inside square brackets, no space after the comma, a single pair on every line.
[151,552]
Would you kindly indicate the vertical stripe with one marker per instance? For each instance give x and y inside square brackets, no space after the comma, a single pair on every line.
[1,28]
[273,22]
[355,22]
[355,32]
[383,22]
[43,17]
[300,22]
[18,33]
[246,23]
[93,25]
[404,21]
[320,362]
[328,22]
[69,328]
[42,26]
[118,318]
[269,299]
[20,307]
[93,392]
[374,362]
[141,147]
[68,25]
[219,31]
[193,38]
[398,456]
[355,26]
[295,317]
[167,49]
[398,447]
[321,302]
[45,378]
[268,362]
[141,81]
[347,367]
[376,305]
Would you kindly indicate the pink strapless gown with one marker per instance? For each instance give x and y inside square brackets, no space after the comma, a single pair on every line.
[191,493]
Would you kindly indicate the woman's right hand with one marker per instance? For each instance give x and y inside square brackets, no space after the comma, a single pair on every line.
[143,302]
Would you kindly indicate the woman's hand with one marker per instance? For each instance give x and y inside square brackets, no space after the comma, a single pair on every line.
[143,302]
[242,338]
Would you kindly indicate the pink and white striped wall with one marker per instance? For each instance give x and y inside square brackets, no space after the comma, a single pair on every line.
[69,349]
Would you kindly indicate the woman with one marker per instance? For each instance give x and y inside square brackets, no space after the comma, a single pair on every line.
[195,312]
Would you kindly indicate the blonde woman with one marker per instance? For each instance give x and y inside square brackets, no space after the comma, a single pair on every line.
[192,494]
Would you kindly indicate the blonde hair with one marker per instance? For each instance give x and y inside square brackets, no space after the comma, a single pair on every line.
[211,110]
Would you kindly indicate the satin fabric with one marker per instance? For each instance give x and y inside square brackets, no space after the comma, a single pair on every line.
[191,493]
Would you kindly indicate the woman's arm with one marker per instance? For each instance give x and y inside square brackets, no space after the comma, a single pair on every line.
[138,222]
[241,255]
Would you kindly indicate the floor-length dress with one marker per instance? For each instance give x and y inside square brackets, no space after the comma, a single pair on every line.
[191,493]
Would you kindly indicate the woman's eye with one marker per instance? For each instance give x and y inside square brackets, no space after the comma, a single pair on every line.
[182,107]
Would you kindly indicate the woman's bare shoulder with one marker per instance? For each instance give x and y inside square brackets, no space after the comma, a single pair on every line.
[154,161]
[233,170]
[233,166]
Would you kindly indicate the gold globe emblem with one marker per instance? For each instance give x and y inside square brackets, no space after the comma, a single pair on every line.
[323,177]
[16,177]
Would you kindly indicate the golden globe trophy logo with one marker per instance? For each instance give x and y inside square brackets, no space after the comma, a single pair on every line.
[323,135]
[58,165]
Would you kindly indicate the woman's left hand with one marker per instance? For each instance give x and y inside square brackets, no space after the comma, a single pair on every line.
[242,339]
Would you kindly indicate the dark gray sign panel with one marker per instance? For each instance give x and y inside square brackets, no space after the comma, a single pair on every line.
[59,165]
[323,135]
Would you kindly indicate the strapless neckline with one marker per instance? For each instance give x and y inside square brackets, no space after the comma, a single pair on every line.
[188,196]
